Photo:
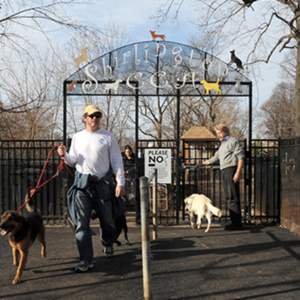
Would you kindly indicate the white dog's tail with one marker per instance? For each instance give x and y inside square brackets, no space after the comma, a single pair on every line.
[214,210]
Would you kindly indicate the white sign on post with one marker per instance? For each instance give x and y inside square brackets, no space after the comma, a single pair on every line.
[159,159]
[162,197]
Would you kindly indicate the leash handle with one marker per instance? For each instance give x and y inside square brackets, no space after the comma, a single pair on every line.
[61,156]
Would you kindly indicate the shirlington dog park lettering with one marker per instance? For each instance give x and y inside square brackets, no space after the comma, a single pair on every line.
[106,71]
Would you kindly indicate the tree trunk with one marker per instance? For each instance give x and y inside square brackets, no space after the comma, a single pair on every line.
[297,92]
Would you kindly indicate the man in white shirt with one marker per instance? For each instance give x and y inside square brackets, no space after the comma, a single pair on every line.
[95,154]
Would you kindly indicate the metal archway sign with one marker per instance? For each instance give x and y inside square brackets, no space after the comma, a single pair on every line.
[152,69]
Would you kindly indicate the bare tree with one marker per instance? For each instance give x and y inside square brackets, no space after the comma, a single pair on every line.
[211,111]
[208,111]
[33,88]
[33,71]
[277,116]
[116,110]
[153,111]
[259,28]
[27,25]
[288,66]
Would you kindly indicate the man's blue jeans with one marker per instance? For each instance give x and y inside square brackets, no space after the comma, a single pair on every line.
[85,201]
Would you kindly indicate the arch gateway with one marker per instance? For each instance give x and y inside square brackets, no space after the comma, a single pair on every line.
[157,69]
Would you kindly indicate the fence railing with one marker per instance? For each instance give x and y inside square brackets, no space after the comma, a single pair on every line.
[21,164]
[265,181]
[207,180]
[275,180]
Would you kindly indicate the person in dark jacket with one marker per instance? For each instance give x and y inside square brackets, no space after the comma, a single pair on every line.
[129,169]
[129,162]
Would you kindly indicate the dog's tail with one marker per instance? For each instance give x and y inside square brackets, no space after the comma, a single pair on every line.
[30,205]
[217,212]
[125,234]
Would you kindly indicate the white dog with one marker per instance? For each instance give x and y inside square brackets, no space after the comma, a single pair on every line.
[201,206]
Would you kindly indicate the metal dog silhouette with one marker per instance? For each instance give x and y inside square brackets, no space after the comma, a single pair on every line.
[155,36]
[211,86]
[82,58]
[112,86]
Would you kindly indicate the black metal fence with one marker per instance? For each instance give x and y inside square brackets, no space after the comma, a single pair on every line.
[21,165]
[207,180]
[265,181]
[274,180]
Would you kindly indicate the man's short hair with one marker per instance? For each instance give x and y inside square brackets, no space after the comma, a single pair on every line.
[222,128]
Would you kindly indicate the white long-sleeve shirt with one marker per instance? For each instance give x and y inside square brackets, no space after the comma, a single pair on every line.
[94,152]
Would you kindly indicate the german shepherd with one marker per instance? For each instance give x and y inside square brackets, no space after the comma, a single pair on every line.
[22,232]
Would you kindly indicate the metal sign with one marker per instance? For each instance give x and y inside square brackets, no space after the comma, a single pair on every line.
[162,197]
[159,159]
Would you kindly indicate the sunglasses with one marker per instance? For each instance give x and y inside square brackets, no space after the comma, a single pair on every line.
[94,116]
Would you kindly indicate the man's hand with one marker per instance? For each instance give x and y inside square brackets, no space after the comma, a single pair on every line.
[236,177]
[61,150]
[205,163]
[120,191]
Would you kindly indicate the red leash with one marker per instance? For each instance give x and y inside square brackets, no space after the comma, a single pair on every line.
[62,163]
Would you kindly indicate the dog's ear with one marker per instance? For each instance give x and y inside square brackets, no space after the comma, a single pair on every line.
[187,200]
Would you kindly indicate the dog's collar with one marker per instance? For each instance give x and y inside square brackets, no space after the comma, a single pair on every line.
[21,232]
